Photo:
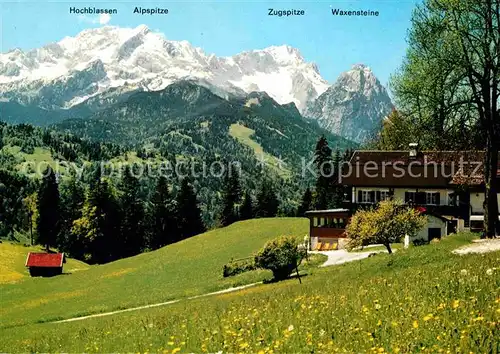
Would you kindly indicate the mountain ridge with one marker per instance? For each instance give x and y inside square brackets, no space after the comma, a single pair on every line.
[98,59]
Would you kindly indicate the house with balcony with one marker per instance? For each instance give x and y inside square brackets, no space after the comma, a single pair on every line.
[448,185]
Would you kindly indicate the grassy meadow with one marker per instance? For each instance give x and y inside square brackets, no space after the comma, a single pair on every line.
[424,299]
[187,268]
[13,259]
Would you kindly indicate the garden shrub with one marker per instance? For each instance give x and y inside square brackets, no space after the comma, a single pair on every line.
[281,256]
[238,267]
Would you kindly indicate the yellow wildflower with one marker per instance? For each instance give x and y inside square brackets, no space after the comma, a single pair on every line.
[428,317]
[415,324]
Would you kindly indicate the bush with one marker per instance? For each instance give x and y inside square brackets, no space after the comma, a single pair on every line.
[281,256]
[238,267]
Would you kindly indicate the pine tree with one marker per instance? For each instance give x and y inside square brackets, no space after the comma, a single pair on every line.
[48,223]
[72,201]
[164,217]
[188,212]
[325,171]
[231,196]
[337,188]
[267,201]
[246,210]
[306,203]
[103,208]
[133,214]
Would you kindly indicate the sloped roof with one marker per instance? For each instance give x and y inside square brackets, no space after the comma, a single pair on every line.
[428,168]
[38,259]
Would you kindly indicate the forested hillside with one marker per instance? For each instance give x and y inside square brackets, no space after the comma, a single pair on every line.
[156,169]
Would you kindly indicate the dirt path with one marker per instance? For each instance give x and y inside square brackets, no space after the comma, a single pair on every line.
[229,290]
[480,246]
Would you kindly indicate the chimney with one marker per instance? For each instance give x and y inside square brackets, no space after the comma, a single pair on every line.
[413,150]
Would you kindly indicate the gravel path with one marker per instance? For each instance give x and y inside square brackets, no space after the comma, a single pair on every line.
[342,256]
[480,246]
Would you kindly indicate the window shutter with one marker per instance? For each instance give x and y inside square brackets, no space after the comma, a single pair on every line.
[360,196]
[407,197]
[378,196]
[372,196]
[438,198]
[420,198]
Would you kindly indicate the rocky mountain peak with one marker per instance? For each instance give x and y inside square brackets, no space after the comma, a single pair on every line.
[354,106]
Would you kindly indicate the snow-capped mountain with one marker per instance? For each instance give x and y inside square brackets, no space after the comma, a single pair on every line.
[63,74]
[354,106]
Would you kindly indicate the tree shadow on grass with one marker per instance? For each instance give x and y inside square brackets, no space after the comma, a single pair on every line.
[292,276]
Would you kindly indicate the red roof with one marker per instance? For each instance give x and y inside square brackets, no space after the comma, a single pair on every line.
[44,259]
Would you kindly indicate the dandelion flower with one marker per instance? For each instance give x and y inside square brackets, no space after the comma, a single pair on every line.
[455,304]
[175,350]
[428,317]
[415,324]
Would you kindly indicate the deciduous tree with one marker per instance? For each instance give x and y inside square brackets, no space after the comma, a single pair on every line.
[386,224]
[450,81]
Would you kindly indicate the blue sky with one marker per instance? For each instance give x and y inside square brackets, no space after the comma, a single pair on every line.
[228,27]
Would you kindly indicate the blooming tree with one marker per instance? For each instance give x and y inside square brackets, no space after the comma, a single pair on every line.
[386,224]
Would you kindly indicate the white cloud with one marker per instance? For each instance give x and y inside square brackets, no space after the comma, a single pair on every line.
[102,19]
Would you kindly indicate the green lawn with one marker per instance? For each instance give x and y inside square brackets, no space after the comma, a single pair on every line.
[191,267]
[423,299]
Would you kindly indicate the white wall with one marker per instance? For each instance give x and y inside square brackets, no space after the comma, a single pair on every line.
[476,202]
[432,222]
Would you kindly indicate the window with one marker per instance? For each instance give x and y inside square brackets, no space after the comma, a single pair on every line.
[410,197]
[367,197]
[384,195]
[432,198]
[452,199]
